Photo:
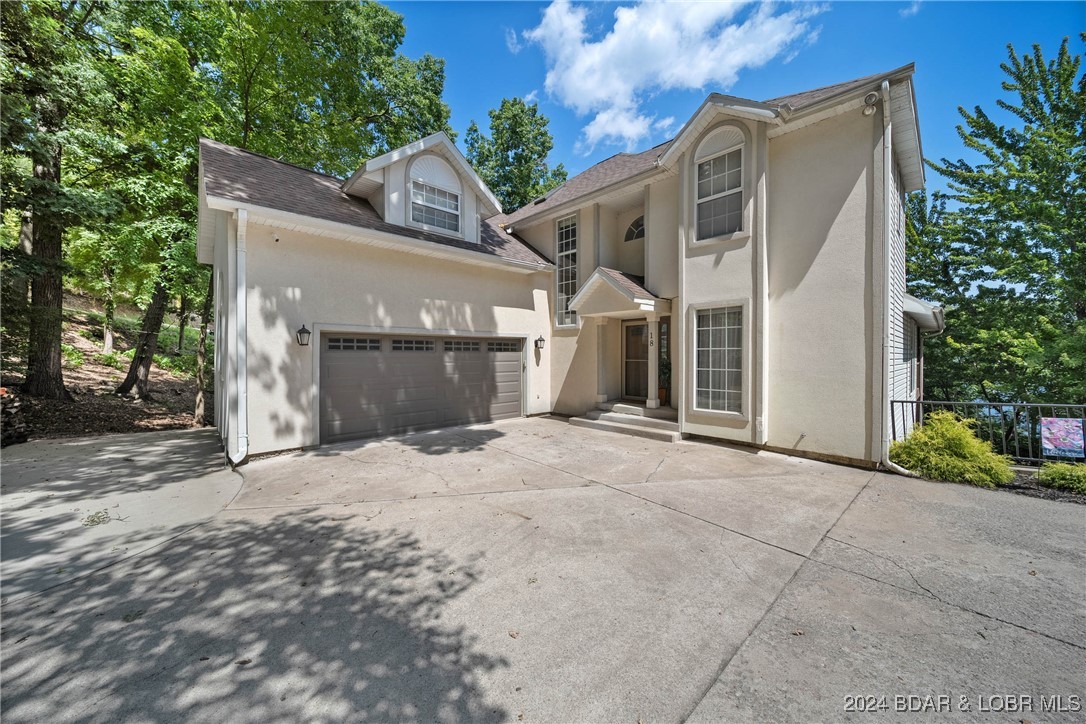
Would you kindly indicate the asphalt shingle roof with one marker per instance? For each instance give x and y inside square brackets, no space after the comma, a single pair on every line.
[624,166]
[630,282]
[246,177]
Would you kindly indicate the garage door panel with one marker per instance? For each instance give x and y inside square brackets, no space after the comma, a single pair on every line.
[367,389]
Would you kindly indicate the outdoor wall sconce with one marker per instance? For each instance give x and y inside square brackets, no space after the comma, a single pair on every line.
[303,335]
[540,342]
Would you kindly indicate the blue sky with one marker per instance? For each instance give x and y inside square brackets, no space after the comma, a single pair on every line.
[612,82]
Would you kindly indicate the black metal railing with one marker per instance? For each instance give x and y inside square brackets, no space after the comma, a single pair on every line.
[1014,429]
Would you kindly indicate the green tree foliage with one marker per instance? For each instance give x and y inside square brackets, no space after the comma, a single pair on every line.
[123,91]
[1005,249]
[513,159]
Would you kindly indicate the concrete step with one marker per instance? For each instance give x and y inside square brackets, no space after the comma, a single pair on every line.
[650,433]
[626,419]
[629,408]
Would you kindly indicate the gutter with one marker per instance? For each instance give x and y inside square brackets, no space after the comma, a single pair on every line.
[241,328]
[887,183]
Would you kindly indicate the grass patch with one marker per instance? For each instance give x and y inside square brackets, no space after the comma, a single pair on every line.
[945,448]
[1063,476]
[113,359]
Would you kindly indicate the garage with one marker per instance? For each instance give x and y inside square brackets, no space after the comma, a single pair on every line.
[376,385]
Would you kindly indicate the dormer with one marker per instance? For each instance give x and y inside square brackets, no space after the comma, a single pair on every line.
[427,185]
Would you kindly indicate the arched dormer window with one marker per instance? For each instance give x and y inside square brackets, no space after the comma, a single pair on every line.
[636,230]
[434,190]
[720,183]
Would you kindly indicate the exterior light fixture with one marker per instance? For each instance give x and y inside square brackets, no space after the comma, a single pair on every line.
[869,103]
[540,342]
[302,335]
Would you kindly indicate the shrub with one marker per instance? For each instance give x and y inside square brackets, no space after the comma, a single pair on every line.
[1063,476]
[111,360]
[72,356]
[182,364]
[945,448]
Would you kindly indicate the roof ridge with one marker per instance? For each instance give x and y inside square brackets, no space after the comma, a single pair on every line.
[273,158]
[838,84]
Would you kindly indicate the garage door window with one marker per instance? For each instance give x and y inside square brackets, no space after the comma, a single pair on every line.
[460,345]
[505,346]
[354,344]
[412,345]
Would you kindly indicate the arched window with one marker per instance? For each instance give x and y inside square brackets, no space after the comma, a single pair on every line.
[636,230]
[720,174]
[435,194]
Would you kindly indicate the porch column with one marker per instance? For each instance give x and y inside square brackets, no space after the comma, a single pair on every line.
[601,359]
[653,400]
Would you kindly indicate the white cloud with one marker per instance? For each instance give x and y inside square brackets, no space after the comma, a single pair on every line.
[512,42]
[654,47]
[531,97]
[911,9]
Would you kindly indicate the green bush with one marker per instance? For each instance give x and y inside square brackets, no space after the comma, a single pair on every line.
[111,360]
[72,356]
[1063,476]
[181,364]
[945,448]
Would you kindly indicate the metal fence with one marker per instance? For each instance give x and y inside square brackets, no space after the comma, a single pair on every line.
[1013,428]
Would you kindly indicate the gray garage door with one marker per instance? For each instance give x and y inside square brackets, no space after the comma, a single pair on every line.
[373,385]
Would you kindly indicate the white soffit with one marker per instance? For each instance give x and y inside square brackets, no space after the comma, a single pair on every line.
[906,138]
[714,107]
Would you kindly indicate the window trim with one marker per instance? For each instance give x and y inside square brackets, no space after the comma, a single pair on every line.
[558,312]
[745,187]
[741,190]
[459,233]
[690,367]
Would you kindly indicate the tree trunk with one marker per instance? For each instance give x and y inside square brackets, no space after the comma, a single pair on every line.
[26,245]
[139,371]
[182,319]
[199,416]
[111,309]
[44,375]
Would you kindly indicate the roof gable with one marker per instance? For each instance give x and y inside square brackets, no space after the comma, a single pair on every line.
[362,182]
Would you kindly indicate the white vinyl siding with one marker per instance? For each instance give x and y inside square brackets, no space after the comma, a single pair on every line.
[718,350]
[566,262]
[900,363]
[720,195]
[435,207]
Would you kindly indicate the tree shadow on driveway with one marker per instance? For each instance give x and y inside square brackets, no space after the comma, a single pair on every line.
[293,617]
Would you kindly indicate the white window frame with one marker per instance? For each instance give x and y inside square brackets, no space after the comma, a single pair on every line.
[741,191]
[459,213]
[562,316]
[743,305]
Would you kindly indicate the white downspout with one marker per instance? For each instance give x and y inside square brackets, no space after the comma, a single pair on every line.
[240,325]
[887,188]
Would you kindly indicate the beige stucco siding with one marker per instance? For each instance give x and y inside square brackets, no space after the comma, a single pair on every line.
[335,285]
[821,324]
[661,238]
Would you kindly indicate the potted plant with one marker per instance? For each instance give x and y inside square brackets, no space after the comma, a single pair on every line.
[664,378]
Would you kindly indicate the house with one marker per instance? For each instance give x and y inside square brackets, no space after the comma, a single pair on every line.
[759,255]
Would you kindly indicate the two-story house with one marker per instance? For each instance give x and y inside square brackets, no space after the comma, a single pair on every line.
[759,257]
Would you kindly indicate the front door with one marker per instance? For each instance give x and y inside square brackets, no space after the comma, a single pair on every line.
[635,360]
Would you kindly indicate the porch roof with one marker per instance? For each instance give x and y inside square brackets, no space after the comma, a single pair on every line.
[616,294]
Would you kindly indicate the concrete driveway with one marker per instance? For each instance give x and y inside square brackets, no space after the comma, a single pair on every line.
[530,570]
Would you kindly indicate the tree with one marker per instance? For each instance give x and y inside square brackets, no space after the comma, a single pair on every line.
[54,99]
[513,159]
[1009,257]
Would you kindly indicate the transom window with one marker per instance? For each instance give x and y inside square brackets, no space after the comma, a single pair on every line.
[354,344]
[412,345]
[636,229]
[461,345]
[567,269]
[720,194]
[435,207]
[719,359]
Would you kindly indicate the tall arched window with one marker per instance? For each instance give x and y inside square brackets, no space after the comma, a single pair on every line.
[636,230]
[434,190]
[719,160]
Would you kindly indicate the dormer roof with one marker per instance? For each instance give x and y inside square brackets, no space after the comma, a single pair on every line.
[368,178]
